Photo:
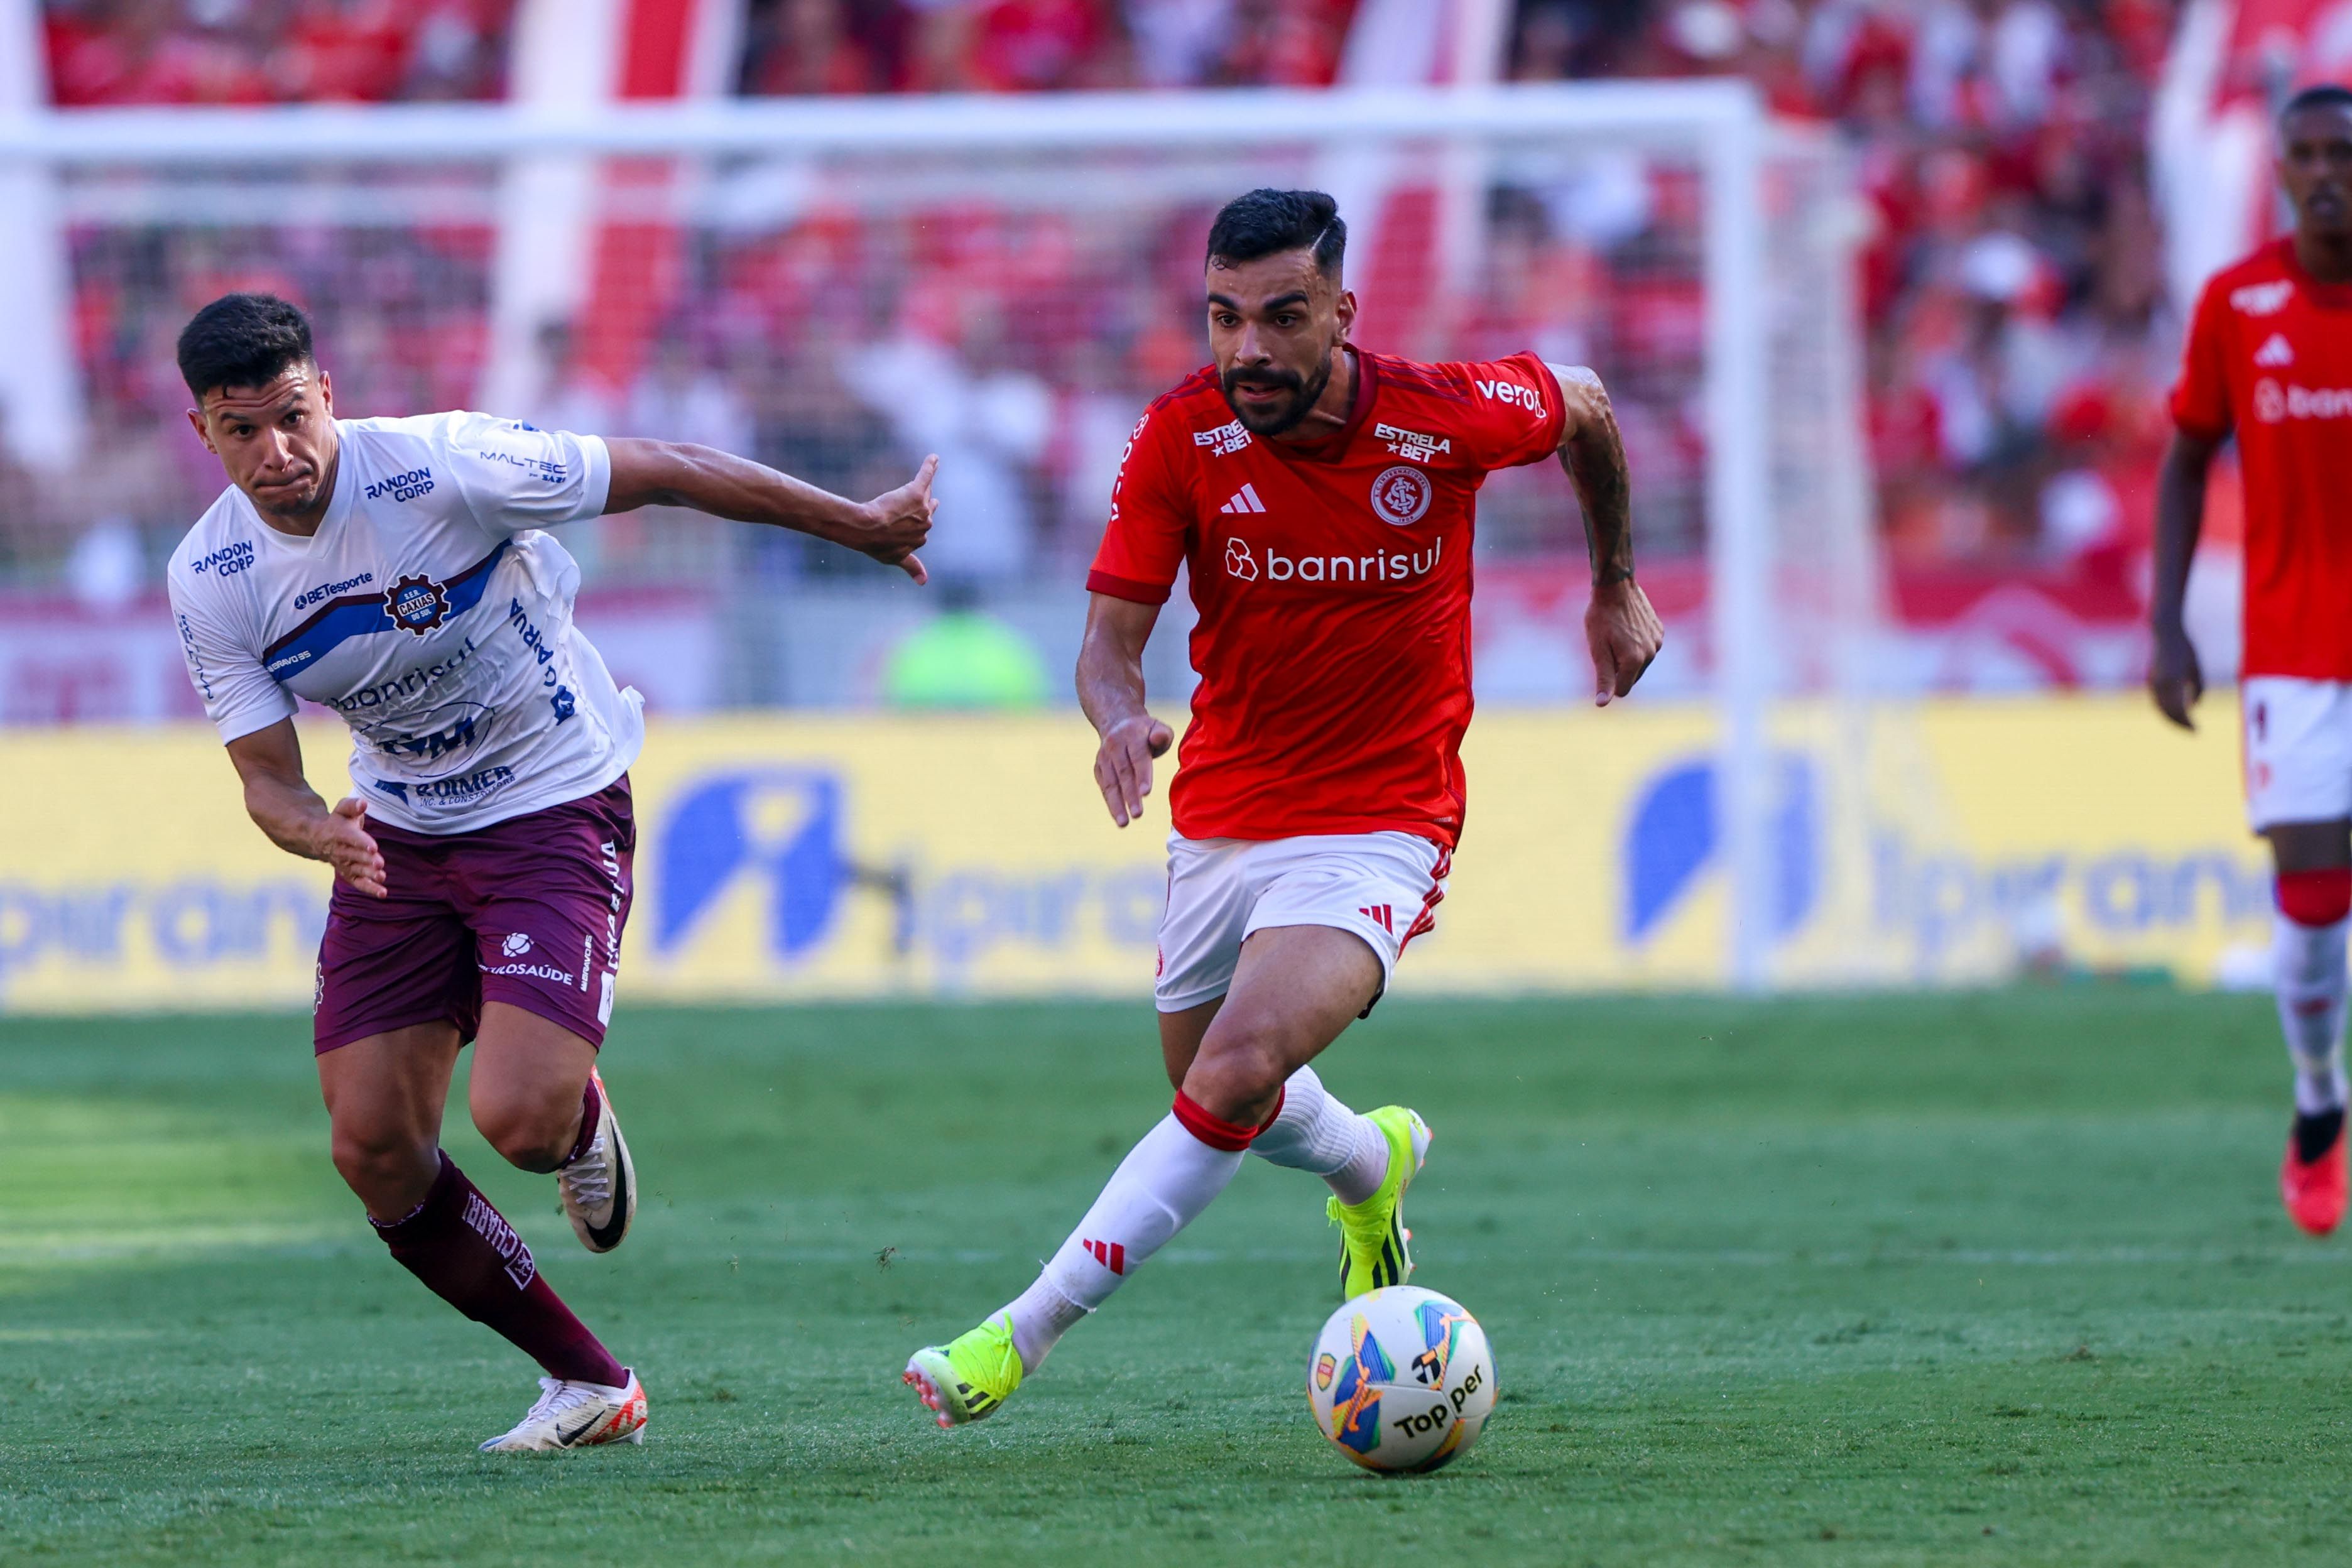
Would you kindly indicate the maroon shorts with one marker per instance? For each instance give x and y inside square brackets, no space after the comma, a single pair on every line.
[527,912]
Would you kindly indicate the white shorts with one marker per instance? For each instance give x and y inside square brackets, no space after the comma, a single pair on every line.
[1384,887]
[2298,736]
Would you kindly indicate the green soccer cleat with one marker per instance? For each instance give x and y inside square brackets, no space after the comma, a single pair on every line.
[971,1375]
[1373,1242]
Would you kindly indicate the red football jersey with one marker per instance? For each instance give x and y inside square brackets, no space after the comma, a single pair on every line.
[2270,356]
[1333,585]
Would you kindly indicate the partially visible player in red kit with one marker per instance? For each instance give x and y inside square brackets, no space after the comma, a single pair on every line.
[1322,500]
[2270,358]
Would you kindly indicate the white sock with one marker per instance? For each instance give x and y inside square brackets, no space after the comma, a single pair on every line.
[2312,983]
[1162,1186]
[1317,1133]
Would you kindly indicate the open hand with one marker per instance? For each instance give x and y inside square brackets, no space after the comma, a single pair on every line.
[2174,678]
[900,521]
[1123,763]
[345,844]
[1624,634]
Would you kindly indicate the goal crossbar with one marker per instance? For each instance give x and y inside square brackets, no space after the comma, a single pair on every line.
[1674,113]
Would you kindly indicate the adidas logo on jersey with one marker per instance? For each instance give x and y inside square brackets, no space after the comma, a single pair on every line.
[2276,352]
[1245,500]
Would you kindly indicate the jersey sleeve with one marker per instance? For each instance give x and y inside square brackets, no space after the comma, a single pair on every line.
[1515,412]
[238,694]
[1144,543]
[2200,399]
[516,476]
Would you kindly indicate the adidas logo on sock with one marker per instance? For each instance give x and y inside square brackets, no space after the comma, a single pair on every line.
[1109,1254]
[1245,500]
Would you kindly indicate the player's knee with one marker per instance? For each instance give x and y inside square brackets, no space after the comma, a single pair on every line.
[530,1136]
[1239,1071]
[389,1171]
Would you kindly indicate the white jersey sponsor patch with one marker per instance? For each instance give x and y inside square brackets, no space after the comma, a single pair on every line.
[429,610]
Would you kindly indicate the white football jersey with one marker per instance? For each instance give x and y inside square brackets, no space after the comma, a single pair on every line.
[429,610]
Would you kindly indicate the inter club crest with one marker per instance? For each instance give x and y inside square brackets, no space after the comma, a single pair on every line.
[417,603]
[1400,495]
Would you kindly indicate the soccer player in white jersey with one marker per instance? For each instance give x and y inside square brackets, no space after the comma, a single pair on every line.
[396,571]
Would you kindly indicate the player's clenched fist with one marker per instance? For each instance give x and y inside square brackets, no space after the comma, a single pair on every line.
[899,521]
[1123,763]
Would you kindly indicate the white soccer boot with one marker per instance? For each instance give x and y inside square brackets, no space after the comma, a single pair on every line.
[577,1415]
[600,1188]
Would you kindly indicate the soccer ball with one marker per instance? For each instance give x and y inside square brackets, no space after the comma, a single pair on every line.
[1401,1379]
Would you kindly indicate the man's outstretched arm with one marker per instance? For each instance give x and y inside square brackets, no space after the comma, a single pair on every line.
[284,807]
[890,528]
[1111,690]
[1622,629]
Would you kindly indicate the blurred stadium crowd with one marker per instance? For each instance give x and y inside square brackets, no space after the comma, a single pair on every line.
[2019,338]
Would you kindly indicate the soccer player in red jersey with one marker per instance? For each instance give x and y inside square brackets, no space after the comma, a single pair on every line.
[2270,359]
[1322,498]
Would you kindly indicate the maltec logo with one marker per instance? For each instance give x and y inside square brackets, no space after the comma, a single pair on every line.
[2275,405]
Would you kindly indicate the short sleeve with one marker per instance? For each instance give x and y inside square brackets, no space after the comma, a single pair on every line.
[238,694]
[1516,413]
[516,476]
[2200,399]
[1144,543]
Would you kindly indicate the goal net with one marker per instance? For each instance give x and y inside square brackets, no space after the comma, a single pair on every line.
[835,285]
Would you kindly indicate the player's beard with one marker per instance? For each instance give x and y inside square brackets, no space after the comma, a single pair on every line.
[1305,394]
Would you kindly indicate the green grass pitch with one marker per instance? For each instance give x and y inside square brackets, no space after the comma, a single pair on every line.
[1992,1278]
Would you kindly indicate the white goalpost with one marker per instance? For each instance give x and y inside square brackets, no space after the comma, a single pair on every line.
[1688,207]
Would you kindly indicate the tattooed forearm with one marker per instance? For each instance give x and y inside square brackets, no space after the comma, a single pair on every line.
[1594,456]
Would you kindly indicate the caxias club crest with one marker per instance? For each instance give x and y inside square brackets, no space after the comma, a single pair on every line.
[417,603]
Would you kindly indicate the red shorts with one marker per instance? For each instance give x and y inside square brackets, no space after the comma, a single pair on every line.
[527,912]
